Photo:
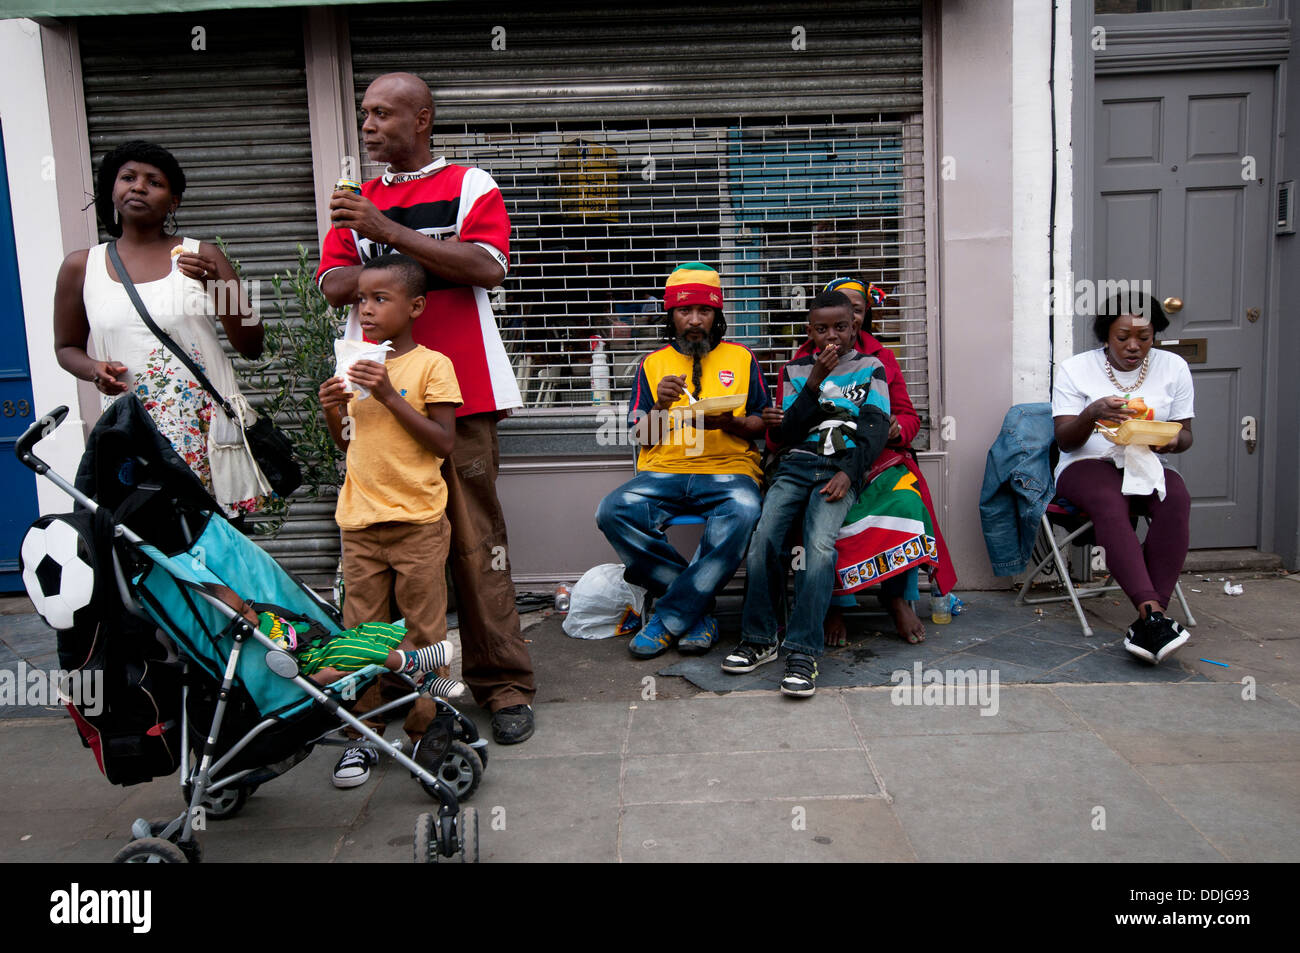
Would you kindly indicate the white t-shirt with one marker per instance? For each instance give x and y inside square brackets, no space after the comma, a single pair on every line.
[1082,379]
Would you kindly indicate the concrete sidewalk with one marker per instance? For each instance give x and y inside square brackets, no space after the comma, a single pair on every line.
[1086,761]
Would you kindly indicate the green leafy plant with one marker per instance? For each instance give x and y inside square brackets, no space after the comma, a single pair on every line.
[299,356]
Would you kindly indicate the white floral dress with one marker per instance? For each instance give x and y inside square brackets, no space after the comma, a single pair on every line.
[180,407]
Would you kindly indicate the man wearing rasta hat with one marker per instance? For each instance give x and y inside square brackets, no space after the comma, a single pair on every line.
[699,464]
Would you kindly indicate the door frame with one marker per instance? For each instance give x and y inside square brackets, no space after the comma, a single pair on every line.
[1175,42]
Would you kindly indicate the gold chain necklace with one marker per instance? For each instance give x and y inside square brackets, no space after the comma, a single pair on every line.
[1137,385]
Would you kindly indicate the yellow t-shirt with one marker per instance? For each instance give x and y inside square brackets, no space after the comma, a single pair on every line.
[392,477]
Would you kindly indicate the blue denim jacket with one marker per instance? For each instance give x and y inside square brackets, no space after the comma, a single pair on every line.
[1017,486]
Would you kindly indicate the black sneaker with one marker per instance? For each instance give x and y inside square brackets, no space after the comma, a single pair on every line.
[800,675]
[512,725]
[748,656]
[1154,638]
[353,767]
[1171,635]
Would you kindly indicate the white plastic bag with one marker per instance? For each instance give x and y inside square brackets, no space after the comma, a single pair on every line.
[603,604]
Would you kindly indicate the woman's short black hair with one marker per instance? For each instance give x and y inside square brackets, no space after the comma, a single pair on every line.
[1128,302]
[137,150]
[716,331]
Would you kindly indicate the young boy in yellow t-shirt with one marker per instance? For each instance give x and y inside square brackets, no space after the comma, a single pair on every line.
[390,509]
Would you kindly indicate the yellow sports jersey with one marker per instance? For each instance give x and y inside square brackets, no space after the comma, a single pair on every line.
[726,370]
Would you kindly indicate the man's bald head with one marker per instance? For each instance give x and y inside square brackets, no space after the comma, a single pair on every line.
[397,115]
[408,87]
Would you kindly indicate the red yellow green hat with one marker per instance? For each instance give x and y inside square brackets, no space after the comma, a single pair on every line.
[693,283]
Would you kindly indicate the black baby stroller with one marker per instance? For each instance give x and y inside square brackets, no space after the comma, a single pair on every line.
[189,682]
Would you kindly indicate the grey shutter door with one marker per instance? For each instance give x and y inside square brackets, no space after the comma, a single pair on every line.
[779,143]
[230,102]
[571,61]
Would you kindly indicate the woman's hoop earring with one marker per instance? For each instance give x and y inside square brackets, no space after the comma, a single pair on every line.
[169,224]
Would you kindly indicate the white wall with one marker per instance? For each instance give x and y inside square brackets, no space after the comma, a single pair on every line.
[1031,183]
[25,117]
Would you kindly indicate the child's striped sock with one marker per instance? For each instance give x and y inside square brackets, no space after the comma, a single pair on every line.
[442,687]
[428,657]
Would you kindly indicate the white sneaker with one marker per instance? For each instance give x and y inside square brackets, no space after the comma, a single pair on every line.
[353,768]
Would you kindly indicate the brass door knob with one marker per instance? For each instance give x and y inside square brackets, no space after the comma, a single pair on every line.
[1172,305]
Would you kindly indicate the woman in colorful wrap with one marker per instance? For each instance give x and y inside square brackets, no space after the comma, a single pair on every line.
[891,531]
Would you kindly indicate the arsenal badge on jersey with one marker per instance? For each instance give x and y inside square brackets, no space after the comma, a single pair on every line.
[726,377]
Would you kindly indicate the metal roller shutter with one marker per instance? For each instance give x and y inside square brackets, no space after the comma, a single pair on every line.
[235,115]
[777,142]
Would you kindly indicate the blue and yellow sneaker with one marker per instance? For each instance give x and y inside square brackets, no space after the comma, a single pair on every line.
[653,640]
[700,638]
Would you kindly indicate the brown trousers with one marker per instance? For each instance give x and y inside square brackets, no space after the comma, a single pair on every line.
[495,660]
[401,563]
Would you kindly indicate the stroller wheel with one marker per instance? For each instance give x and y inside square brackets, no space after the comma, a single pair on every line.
[150,850]
[467,834]
[225,803]
[426,841]
[461,770]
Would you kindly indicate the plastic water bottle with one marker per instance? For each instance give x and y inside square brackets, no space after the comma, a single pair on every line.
[940,607]
[599,371]
[561,598]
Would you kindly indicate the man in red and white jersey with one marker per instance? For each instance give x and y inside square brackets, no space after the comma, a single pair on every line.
[453,221]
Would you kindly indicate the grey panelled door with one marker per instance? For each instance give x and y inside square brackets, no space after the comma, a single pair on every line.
[1183,176]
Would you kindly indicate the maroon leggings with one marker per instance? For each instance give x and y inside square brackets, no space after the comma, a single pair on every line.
[1146,572]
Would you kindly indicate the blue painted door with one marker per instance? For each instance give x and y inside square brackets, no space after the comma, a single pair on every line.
[17,483]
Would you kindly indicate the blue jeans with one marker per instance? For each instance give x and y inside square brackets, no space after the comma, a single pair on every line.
[794,493]
[633,518]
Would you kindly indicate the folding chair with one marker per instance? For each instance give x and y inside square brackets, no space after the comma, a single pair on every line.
[1048,550]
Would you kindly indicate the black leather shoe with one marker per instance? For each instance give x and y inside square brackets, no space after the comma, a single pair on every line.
[512,725]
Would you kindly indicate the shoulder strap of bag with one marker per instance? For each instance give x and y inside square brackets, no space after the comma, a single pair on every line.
[162,335]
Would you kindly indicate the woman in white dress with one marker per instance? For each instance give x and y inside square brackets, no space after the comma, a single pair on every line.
[1097,386]
[186,285]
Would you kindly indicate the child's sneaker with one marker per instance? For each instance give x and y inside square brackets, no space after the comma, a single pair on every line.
[652,640]
[440,687]
[800,675]
[748,656]
[700,638]
[353,767]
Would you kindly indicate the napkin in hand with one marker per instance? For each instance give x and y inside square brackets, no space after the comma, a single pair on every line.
[1144,474]
[348,352]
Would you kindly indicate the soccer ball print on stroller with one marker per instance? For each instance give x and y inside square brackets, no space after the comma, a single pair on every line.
[131,583]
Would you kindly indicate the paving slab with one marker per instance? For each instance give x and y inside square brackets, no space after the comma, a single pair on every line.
[27,635]
[1029,797]
[746,776]
[563,730]
[1112,663]
[1250,812]
[750,722]
[1019,709]
[1206,708]
[856,830]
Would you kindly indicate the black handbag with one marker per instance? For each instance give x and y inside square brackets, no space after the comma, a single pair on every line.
[270,447]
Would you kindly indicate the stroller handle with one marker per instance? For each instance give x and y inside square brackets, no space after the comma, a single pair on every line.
[38,431]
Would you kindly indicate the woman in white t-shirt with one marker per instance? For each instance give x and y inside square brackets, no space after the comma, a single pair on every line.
[1095,386]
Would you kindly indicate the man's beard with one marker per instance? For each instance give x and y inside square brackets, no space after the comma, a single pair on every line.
[696,350]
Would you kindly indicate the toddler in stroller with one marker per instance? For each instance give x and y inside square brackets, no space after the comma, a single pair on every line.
[326,658]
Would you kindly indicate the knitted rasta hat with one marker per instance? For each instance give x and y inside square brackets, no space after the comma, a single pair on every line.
[693,283]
